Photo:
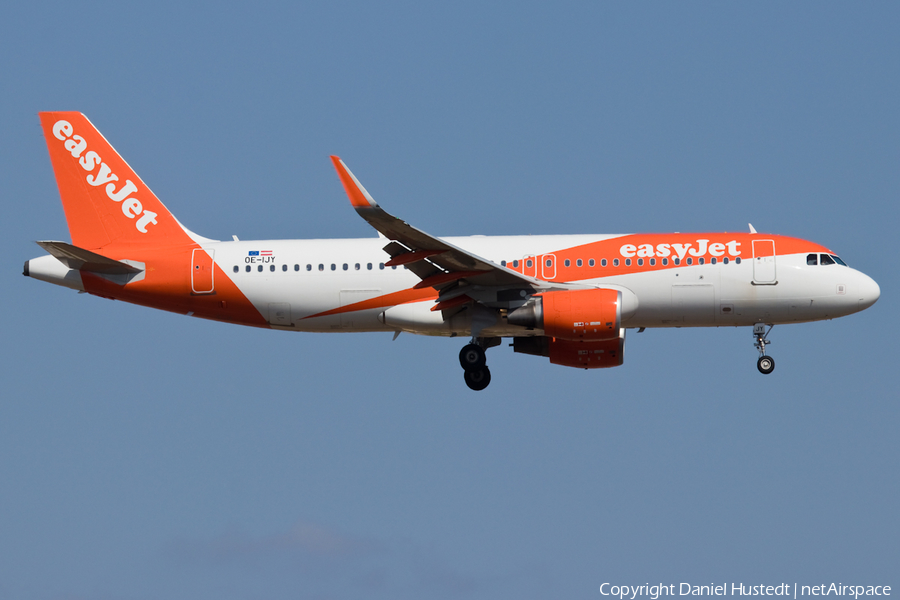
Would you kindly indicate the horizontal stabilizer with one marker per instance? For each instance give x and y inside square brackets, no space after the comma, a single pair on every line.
[85,260]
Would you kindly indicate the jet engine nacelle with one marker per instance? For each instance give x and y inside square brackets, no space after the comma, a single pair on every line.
[581,355]
[574,315]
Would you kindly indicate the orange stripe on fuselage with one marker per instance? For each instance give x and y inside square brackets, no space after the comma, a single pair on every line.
[392,299]
[721,245]
[167,286]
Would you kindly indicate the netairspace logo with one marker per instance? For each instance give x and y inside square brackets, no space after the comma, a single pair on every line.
[654,592]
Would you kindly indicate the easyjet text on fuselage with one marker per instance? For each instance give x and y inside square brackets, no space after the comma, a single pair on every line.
[681,250]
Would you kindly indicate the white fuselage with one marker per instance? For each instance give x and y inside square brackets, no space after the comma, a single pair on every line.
[316,276]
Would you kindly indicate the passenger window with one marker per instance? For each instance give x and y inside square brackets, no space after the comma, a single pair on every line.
[812,259]
[712,261]
[529,263]
[236,268]
[640,262]
[333,267]
[272,268]
[702,260]
[652,262]
[296,267]
[356,267]
[725,260]
[690,261]
[569,262]
[248,268]
[321,267]
[579,262]
[737,260]
[676,261]
[259,268]
[591,263]
[502,263]
[627,262]
[309,267]
[615,262]
[381,266]
[284,267]
[515,264]
[665,262]
[346,266]
[602,262]
[824,259]
[369,266]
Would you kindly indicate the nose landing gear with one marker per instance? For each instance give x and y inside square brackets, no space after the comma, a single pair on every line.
[765,364]
[473,361]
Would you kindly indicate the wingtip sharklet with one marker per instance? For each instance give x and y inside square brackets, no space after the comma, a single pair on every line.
[359,196]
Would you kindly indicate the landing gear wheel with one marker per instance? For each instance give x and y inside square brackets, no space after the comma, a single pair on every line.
[765,364]
[478,379]
[471,358]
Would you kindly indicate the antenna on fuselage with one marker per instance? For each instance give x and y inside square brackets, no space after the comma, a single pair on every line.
[752,228]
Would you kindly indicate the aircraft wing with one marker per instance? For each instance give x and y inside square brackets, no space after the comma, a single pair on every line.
[438,264]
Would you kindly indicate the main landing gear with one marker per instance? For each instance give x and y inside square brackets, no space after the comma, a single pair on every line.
[765,364]
[474,362]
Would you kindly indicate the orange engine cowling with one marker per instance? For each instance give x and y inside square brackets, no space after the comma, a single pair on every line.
[574,315]
[581,355]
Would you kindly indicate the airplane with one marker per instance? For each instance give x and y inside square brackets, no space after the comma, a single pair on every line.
[569,298]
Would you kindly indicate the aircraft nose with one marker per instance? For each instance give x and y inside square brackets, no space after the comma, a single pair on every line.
[869,292]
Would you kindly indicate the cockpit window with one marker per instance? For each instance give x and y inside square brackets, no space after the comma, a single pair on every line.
[826,260]
[838,260]
[812,259]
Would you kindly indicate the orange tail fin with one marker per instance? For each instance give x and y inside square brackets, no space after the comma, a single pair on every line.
[104,200]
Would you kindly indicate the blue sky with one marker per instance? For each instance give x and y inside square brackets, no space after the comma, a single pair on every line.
[149,455]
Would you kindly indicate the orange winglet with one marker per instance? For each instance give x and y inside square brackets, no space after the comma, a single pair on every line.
[410,257]
[445,278]
[358,195]
[451,303]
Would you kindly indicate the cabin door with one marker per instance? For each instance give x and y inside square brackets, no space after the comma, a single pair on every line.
[202,271]
[764,262]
